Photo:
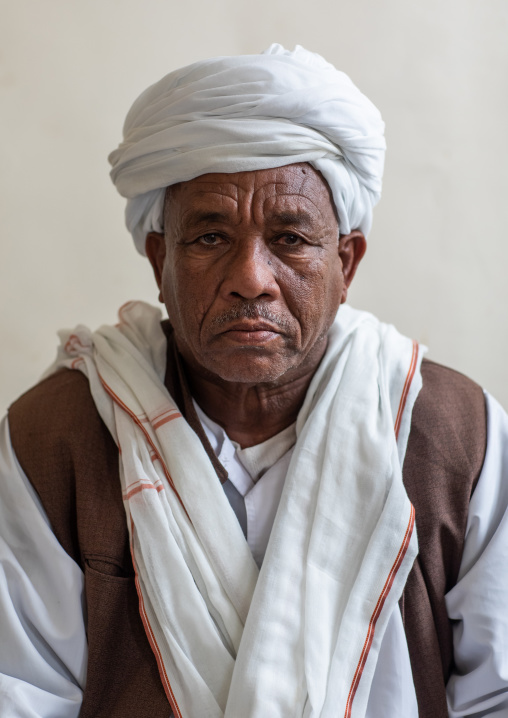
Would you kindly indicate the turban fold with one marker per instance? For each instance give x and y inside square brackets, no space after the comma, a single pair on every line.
[250,112]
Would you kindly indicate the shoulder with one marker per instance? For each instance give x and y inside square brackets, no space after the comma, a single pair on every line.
[59,399]
[65,450]
[449,420]
[455,386]
[53,419]
[444,458]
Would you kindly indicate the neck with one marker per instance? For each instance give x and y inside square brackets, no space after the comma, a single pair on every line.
[249,413]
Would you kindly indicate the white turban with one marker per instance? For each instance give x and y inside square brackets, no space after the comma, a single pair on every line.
[250,112]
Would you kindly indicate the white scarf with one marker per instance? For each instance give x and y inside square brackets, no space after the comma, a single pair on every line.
[301,637]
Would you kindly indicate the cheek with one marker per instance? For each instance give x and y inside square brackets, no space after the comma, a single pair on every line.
[185,300]
[315,296]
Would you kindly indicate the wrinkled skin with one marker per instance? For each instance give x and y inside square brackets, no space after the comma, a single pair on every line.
[252,272]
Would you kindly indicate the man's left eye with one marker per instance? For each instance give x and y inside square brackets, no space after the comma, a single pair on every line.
[289,240]
[209,240]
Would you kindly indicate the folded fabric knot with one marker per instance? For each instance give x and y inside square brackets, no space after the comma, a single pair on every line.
[76,342]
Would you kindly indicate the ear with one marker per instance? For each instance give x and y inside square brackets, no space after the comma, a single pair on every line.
[155,248]
[352,247]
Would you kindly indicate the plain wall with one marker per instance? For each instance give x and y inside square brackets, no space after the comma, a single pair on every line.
[438,71]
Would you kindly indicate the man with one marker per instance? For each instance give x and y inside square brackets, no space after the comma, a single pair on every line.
[209,516]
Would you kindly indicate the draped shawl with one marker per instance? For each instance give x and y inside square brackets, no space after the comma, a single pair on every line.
[301,637]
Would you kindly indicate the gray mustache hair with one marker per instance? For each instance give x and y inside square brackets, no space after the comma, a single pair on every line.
[251,310]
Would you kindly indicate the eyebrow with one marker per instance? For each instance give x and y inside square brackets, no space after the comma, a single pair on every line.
[194,218]
[292,218]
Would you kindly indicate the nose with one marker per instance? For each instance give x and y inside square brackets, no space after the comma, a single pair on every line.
[249,272]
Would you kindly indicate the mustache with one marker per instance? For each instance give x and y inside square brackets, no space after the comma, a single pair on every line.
[251,310]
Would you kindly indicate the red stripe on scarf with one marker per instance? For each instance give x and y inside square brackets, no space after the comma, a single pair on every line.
[137,421]
[377,612]
[151,638]
[405,391]
[400,556]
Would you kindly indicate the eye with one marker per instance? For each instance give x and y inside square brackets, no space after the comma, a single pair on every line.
[209,240]
[289,240]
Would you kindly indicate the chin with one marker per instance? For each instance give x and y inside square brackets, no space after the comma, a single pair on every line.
[249,371]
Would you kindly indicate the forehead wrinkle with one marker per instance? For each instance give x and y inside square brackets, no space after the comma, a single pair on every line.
[200,187]
[199,209]
[290,216]
[315,176]
[240,197]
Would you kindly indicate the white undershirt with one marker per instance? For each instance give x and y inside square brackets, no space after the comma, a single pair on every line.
[257,473]
[43,651]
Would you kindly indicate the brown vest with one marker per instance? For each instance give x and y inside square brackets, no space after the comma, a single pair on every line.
[72,461]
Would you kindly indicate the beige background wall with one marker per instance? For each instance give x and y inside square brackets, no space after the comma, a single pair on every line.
[437,69]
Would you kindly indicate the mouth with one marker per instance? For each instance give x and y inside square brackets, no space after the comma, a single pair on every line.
[251,332]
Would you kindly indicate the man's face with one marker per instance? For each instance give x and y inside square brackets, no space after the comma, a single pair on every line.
[250,271]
